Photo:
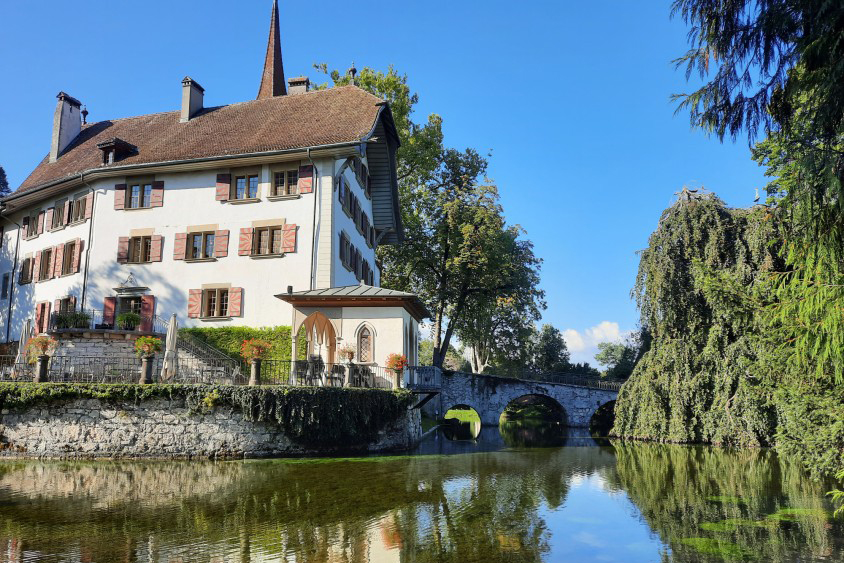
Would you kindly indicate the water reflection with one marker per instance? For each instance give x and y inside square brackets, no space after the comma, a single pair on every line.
[499,499]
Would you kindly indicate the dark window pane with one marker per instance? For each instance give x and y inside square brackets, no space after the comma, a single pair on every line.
[253,187]
[209,245]
[240,188]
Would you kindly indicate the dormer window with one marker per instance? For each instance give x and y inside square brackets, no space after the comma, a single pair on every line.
[115,149]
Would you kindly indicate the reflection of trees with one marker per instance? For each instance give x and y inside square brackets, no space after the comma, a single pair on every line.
[431,508]
[732,504]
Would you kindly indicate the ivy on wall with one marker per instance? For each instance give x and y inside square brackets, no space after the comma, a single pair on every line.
[312,416]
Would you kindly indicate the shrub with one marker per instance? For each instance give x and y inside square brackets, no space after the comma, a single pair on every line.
[73,320]
[128,321]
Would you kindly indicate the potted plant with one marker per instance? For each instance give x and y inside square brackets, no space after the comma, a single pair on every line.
[254,350]
[397,363]
[38,349]
[347,352]
[128,320]
[146,347]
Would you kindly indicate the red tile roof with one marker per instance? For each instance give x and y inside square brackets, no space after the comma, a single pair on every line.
[324,117]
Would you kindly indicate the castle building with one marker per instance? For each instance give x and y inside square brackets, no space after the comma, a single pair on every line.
[251,214]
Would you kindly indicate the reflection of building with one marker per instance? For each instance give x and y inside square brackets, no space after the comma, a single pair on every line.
[212,211]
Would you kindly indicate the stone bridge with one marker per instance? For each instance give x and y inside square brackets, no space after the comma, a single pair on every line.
[489,395]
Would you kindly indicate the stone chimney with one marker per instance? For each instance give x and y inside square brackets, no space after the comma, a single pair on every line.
[192,94]
[67,123]
[298,85]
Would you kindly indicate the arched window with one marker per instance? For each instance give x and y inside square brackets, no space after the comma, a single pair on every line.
[365,350]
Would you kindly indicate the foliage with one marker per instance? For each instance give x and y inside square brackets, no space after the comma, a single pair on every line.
[229,340]
[454,359]
[699,286]
[498,329]
[4,183]
[254,349]
[765,61]
[40,346]
[128,320]
[550,353]
[146,346]
[396,362]
[838,495]
[73,319]
[324,417]
[620,357]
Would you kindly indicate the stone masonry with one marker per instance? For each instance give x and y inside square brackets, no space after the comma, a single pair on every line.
[489,395]
[161,429]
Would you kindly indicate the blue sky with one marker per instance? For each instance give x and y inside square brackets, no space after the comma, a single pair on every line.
[571,97]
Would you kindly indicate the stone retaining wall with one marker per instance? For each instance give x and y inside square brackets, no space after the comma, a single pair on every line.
[89,428]
[95,343]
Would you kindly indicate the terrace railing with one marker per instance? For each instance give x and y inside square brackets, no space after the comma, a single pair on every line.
[316,373]
[92,319]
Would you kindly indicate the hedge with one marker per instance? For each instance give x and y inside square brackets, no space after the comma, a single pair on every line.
[229,340]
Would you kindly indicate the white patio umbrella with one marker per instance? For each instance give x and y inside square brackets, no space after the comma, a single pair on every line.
[170,353]
[20,358]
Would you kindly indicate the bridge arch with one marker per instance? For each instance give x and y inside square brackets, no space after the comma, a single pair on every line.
[602,420]
[535,405]
[462,422]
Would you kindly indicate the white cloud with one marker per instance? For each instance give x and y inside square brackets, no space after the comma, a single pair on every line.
[584,345]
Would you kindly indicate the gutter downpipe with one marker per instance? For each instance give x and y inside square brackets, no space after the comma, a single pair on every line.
[317,194]
[14,270]
[90,239]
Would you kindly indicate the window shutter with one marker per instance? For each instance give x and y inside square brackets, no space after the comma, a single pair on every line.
[25,226]
[41,222]
[123,250]
[109,305]
[119,197]
[39,312]
[235,301]
[57,305]
[221,244]
[224,185]
[194,303]
[72,302]
[244,248]
[48,273]
[68,212]
[155,244]
[306,179]
[77,255]
[36,267]
[288,238]
[89,205]
[58,258]
[147,312]
[157,199]
[49,219]
[180,244]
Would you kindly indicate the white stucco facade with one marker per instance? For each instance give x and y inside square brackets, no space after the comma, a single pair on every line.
[189,204]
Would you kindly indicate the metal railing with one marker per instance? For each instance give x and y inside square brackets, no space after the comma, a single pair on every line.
[316,373]
[199,362]
[93,319]
[99,369]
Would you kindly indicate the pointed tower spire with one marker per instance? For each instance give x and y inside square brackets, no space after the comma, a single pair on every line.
[272,80]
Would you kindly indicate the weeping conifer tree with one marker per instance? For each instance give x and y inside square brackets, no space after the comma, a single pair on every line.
[700,285]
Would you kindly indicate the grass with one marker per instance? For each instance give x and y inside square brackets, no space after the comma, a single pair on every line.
[463,415]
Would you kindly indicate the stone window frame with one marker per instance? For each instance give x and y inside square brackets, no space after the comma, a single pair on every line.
[372,336]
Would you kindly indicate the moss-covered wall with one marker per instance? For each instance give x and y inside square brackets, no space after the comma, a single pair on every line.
[79,420]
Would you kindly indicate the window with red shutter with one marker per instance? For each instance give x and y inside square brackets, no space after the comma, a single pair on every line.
[147,313]
[122,250]
[109,308]
[244,247]
[221,244]
[156,244]
[224,186]
[306,179]
[180,246]
[157,194]
[194,303]
[119,196]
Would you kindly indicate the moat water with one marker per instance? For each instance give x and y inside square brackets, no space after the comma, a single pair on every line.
[526,493]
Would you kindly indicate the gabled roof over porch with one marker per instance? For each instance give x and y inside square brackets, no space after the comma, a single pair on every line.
[358,296]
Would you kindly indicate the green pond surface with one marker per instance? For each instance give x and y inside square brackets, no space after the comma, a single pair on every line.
[527,492]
